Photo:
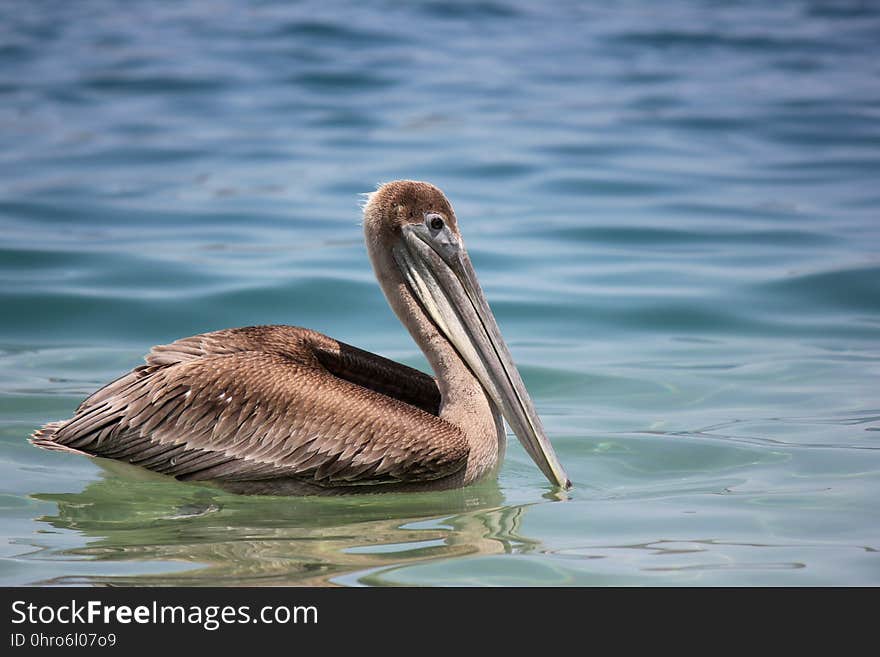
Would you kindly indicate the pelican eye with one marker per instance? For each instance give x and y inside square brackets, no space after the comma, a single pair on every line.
[435,222]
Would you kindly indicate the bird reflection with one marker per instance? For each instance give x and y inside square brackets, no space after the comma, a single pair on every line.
[209,537]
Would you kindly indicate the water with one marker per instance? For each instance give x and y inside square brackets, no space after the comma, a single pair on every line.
[672,210]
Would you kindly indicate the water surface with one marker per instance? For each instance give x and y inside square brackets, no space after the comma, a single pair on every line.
[673,211]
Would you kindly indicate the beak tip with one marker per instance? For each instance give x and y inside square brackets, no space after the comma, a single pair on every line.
[567,484]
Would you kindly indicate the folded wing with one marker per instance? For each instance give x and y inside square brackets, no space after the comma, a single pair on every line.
[264,403]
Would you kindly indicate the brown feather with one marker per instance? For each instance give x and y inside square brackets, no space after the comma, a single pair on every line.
[269,402]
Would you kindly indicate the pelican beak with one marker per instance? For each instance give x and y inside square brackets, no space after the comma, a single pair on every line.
[439,273]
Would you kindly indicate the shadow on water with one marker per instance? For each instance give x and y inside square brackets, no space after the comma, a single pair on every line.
[210,537]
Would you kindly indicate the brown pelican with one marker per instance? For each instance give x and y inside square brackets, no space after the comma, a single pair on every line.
[286,410]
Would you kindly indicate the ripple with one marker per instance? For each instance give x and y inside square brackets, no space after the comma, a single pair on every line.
[610,187]
[331,32]
[650,235]
[462,9]
[764,211]
[127,83]
[747,43]
[853,288]
[497,170]
[672,213]
[341,81]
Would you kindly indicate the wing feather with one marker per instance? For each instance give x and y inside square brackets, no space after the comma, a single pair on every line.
[262,403]
[342,360]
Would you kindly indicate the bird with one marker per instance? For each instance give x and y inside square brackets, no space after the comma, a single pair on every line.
[285,410]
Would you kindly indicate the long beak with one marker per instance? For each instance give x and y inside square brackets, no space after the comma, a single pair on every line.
[439,272]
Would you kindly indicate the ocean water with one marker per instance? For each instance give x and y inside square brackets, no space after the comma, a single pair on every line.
[672,208]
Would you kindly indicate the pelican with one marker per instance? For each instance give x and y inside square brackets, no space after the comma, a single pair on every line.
[283,410]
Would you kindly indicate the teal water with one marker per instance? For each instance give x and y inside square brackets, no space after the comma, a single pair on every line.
[672,208]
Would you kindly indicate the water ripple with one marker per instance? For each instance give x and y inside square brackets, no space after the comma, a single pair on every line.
[673,215]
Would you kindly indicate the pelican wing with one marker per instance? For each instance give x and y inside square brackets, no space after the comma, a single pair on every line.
[356,365]
[259,405]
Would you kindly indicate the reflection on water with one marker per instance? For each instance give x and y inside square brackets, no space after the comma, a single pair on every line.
[209,537]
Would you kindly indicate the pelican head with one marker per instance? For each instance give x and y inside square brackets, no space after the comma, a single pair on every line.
[413,240]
